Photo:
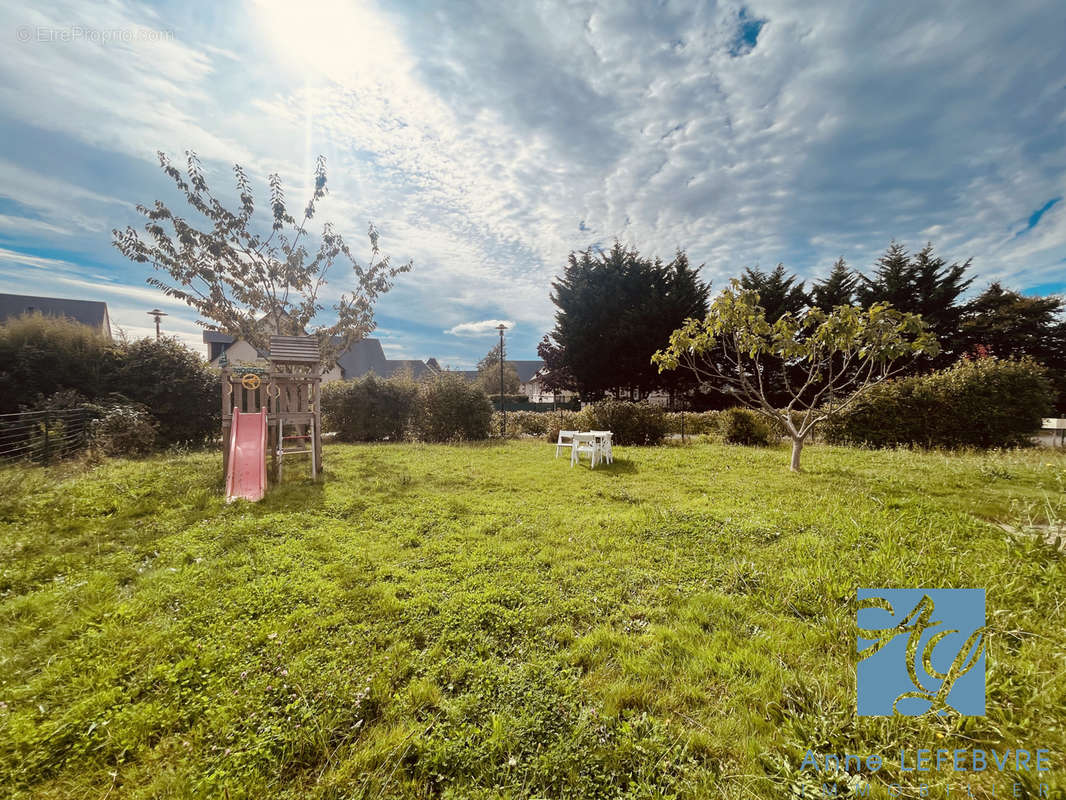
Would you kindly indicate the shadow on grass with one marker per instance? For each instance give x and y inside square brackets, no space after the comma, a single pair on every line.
[618,467]
[296,493]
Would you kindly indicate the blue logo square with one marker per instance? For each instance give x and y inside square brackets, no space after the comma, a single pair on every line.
[921,651]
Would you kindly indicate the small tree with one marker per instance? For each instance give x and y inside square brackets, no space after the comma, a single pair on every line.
[488,373]
[249,285]
[839,355]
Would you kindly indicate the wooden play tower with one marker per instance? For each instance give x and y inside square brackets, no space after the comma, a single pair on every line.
[289,389]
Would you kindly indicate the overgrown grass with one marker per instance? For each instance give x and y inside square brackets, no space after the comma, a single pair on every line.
[484,621]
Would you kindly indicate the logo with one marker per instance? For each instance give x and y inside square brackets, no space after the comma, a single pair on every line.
[921,651]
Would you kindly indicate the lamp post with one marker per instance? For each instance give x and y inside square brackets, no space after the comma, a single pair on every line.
[503,411]
[155,312]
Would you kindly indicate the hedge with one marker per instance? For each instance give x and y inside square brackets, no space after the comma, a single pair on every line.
[369,409]
[981,403]
[451,409]
[46,359]
[744,426]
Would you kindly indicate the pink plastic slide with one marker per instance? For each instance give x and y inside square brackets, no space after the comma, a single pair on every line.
[247,475]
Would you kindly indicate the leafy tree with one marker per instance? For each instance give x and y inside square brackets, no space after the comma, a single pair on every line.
[488,373]
[837,289]
[779,292]
[839,355]
[614,309]
[233,276]
[922,284]
[1003,323]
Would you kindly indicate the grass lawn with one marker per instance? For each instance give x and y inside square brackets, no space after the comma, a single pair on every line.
[484,621]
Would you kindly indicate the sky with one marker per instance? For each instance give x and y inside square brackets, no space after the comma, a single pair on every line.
[488,140]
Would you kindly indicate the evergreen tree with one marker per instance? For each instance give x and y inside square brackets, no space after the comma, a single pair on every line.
[779,292]
[892,281]
[615,309]
[1003,323]
[1009,325]
[922,284]
[838,289]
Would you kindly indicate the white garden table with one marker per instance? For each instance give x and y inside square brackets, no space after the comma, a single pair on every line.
[1052,424]
[597,444]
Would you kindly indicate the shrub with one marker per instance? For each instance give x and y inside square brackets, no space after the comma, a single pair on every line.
[521,423]
[124,430]
[494,398]
[173,383]
[982,403]
[631,423]
[562,421]
[696,422]
[451,409]
[370,409]
[40,356]
[743,426]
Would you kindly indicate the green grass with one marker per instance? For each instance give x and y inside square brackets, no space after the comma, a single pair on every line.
[484,621]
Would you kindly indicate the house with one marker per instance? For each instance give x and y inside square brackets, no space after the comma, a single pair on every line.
[92,313]
[534,389]
[527,372]
[365,355]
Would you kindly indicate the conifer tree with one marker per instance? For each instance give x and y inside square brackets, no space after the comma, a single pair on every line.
[837,289]
[779,292]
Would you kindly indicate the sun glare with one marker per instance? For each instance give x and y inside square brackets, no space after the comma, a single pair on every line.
[348,42]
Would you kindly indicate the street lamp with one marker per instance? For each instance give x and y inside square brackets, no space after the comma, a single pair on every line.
[503,411]
[155,312]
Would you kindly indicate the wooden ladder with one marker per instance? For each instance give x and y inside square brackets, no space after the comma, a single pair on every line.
[308,439]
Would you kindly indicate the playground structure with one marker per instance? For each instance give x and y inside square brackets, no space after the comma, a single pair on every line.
[273,408]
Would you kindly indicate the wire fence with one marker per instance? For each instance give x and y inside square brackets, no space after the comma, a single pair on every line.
[45,436]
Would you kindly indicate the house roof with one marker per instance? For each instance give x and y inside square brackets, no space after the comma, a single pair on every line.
[362,357]
[367,355]
[87,312]
[527,369]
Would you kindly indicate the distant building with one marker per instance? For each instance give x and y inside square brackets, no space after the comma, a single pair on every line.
[365,355]
[91,313]
[533,388]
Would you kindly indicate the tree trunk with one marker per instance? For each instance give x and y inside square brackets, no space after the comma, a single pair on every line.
[797,448]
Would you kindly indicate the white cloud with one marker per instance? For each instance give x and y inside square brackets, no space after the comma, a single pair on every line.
[489,141]
[479,328]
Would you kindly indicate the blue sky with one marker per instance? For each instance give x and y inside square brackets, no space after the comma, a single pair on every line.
[487,140]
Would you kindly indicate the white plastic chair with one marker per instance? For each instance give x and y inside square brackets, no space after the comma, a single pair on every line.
[604,440]
[585,443]
[566,439]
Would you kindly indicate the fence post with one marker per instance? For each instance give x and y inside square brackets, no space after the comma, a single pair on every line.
[47,435]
